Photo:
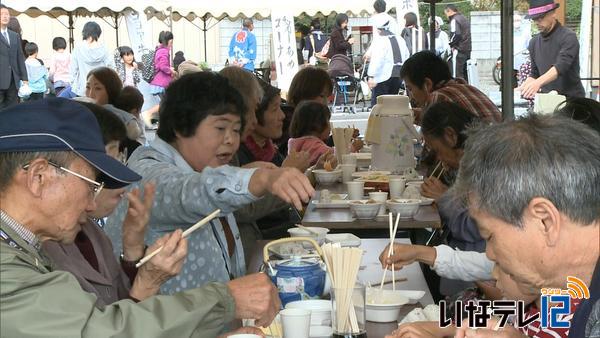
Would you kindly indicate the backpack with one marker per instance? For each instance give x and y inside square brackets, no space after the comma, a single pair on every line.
[322,54]
[148,70]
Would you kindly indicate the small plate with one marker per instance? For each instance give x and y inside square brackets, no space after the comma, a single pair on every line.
[344,239]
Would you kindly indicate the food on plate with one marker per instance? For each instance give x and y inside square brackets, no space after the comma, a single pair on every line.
[325,196]
[328,166]
[375,178]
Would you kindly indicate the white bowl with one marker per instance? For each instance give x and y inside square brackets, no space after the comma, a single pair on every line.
[364,211]
[384,307]
[327,177]
[407,208]
[320,238]
[320,310]
[414,296]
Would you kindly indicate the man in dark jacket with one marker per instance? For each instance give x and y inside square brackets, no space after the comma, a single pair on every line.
[12,61]
[554,54]
[460,41]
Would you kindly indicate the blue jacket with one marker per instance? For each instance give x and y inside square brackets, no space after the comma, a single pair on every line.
[242,48]
[37,74]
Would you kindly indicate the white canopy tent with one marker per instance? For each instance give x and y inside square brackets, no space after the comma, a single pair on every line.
[104,9]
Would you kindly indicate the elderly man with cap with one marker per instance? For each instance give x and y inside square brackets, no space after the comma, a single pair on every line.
[554,54]
[52,165]
[387,57]
[543,225]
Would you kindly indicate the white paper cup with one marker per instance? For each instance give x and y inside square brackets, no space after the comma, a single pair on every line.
[356,190]
[349,159]
[397,186]
[379,196]
[347,171]
[295,323]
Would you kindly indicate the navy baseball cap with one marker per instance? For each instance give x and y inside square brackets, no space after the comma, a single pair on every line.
[58,124]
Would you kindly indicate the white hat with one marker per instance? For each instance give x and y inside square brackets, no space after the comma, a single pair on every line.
[381,22]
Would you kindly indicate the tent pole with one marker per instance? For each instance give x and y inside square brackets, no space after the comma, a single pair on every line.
[432,26]
[506,27]
[117,27]
[71,28]
[204,18]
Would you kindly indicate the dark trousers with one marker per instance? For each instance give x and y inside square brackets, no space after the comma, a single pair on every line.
[461,65]
[390,86]
[8,96]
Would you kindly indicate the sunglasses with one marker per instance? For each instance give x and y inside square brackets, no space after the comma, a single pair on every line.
[95,187]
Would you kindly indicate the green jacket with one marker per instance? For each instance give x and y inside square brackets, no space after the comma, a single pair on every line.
[36,301]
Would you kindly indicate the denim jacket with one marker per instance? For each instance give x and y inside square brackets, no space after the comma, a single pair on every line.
[183,197]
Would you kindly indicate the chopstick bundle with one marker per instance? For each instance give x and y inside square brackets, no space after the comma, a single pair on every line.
[184,235]
[342,266]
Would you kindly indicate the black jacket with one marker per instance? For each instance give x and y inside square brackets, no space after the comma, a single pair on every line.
[460,38]
[338,43]
[12,61]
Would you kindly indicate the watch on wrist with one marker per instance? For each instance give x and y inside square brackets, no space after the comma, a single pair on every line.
[126,262]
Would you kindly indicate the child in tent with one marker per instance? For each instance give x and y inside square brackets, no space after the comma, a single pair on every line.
[128,70]
[59,65]
[310,128]
[36,72]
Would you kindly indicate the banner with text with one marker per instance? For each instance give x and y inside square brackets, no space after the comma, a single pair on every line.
[284,48]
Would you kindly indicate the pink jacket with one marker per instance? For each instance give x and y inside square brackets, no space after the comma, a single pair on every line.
[312,144]
[162,67]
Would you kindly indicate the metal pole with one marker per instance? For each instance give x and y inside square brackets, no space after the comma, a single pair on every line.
[117,27]
[71,28]
[204,18]
[432,26]
[506,44]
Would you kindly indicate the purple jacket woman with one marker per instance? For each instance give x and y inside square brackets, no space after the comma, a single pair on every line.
[162,67]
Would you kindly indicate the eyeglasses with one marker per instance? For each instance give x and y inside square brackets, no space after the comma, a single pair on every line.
[95,187]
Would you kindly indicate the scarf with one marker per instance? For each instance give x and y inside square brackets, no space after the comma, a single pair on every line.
[265,153]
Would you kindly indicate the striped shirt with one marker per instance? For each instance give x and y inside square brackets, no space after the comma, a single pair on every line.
[23,232]
[468,97]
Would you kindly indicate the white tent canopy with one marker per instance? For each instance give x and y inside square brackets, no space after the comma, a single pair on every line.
[78,7]
[263,8]
[189,9]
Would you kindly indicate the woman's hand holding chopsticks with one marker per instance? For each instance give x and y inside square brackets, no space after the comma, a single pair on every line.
[433,188]
[164,265]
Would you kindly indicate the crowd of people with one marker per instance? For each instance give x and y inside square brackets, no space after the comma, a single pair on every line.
[84,195]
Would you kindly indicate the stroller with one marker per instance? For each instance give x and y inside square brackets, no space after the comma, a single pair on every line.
[345,84]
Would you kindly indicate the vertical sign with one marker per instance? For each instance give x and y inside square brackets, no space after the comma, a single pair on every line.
[284,48]
[406,6]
